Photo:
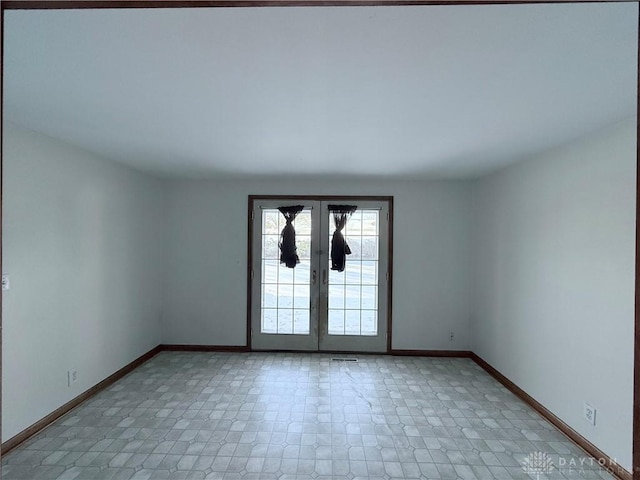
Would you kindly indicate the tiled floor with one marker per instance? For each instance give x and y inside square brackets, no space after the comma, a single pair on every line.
[298,416]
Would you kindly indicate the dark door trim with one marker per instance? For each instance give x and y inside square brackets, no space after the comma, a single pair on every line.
[355,198]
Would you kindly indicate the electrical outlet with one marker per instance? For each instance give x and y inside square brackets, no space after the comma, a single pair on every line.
[590,414]
[6,285]
[72,377]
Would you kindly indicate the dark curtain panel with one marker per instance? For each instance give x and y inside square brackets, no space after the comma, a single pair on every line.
[288,249]
[339,247]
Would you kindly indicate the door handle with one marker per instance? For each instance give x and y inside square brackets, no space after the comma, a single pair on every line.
[324,276]
[314,275]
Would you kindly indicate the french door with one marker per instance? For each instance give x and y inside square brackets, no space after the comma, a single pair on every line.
[312,306]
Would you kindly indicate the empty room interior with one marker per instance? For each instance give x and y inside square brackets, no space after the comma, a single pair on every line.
[319,242]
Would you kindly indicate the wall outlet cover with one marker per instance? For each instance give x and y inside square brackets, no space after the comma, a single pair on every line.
[72,377]
[6,284]
[590,414]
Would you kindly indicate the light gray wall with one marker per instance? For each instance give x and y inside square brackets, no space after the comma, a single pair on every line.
[97,251]
[205,284]
[82,241]
[553,247]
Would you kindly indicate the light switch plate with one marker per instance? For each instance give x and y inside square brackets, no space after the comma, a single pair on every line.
[6,285]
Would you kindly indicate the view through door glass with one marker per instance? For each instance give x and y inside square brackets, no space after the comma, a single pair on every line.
[285,291]
[353,293]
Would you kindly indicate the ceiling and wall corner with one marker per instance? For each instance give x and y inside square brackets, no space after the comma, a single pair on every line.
[423,91]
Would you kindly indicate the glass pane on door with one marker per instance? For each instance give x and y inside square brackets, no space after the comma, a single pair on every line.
[353,293]
[310,307]
[284,307]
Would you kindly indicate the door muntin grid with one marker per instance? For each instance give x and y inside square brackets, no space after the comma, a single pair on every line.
[353,293]
[285,292]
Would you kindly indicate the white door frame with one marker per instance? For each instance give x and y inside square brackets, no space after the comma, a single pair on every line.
[318,340]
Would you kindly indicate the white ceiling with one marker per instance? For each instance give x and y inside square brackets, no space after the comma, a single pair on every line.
[432,91]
